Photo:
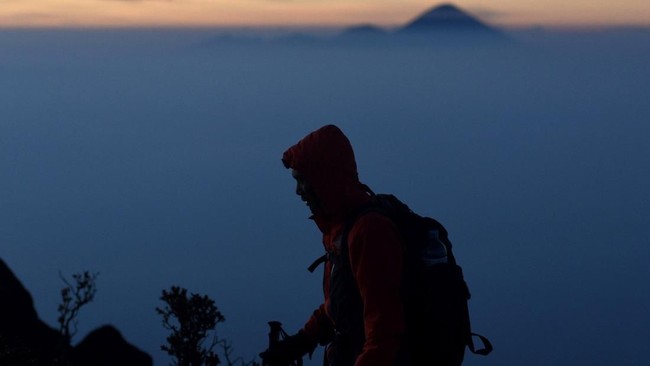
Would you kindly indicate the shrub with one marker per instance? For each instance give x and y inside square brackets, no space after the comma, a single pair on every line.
[192,320]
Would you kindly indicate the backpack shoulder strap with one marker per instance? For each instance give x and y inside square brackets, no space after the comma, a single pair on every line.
[320,260]
[352,219]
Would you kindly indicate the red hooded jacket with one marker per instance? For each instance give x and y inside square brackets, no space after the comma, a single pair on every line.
[326,161]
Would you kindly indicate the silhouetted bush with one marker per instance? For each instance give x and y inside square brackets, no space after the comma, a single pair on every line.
[192,320]
[73,297]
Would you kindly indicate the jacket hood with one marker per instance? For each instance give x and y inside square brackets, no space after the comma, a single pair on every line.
[326,160]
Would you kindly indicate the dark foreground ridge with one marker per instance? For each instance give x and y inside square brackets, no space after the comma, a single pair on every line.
[26,340]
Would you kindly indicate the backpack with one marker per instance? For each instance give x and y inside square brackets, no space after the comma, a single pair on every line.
[434,292]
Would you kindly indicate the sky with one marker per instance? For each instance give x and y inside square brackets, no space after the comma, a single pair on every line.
[255,13]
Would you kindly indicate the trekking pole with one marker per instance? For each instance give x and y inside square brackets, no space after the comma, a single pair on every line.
[276,334]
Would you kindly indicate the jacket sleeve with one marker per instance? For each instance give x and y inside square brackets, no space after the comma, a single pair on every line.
[375,251]
[319,328]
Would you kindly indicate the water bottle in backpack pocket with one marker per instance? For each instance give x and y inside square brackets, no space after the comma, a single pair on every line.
[434,251]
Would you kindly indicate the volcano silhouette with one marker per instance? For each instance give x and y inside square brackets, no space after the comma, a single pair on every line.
[446,18]
[441,25]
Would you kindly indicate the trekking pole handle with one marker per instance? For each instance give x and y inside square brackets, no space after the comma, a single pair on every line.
[275,333]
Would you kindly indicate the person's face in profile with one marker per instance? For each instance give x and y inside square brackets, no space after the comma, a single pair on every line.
[305,191]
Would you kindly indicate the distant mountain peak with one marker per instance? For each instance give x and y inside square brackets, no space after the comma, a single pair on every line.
[364,29]
[443,10]
[445,17]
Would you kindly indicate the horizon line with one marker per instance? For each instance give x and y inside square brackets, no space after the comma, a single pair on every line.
[327,27]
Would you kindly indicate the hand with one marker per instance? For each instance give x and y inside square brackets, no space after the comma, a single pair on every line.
[288,350]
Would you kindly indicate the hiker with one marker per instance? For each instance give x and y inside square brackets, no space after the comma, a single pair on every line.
[362,319]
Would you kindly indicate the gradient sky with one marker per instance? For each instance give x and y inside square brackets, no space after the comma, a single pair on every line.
[514,13]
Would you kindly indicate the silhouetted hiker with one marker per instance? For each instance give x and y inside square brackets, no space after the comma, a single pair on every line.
[361,319]
[394,294]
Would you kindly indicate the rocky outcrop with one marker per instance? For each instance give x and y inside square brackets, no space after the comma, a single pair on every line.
[26,340]
[23,336]
[105,346]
